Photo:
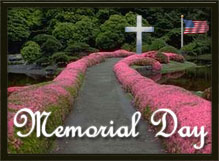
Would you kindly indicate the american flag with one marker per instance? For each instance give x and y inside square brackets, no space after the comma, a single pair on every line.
[195,27]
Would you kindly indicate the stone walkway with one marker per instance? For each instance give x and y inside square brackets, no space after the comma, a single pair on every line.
[100,100]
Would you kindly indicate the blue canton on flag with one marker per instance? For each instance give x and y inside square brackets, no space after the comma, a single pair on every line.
[195,27]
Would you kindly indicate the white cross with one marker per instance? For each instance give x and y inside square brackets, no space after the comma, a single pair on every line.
[139,29]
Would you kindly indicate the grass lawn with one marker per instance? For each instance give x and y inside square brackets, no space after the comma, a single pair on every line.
[199,57]
[174,66]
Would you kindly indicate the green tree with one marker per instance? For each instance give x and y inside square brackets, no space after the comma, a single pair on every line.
[157,44]
[41,38]
[64,31]
[103,14]
[169,48]
[49,44]
[18,29]
[86,30]
[60,58]
[200,45]
[71,15]
[21,23]
[111,34]
[101,28]
[76,48]
[31,51]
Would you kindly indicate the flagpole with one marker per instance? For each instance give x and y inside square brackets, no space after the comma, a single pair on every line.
[182,31]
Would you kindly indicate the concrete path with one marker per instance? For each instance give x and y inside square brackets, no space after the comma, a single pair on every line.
[100,100]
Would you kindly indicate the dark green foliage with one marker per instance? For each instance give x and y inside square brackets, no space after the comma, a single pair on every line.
[72,15]
[60,58]
[31,51]
[43,61]
[79,47]
[72,58]
[104,29]
[64,31]
[76,47]
[51,25]
[157,44]
[85,30]
[128,47]
[41,38]
[17,27]
[145,47]
[173,34]
[21,21]
[111,34]
[104,14]
[170,49]
[51,46]
[189,48]
[199,46]
[85,12]
[33,16]
[78,25]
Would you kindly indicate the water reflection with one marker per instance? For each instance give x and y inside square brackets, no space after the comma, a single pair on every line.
[193,79]
[23,79]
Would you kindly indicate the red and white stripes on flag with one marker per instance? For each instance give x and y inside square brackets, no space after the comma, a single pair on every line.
[195,27]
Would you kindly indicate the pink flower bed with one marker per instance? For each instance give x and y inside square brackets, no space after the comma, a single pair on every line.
[171,56]
[175,57]
[59,95]
[136,59]
[151,54]
[190,109]
[14,89]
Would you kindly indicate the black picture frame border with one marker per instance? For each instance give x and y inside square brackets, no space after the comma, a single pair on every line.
[95,4]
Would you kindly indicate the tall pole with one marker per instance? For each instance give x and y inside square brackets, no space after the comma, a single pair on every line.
[182,31]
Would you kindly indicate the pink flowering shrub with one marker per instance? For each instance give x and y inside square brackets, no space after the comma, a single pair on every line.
[162,58]
[149,96]
[56,96]
[156,77]
[175,57]
[14,89]
[145,61]
[141,60]
[151,54]
[117,53]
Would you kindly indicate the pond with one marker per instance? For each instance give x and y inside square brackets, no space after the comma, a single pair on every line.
[23,79]
[192,79]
